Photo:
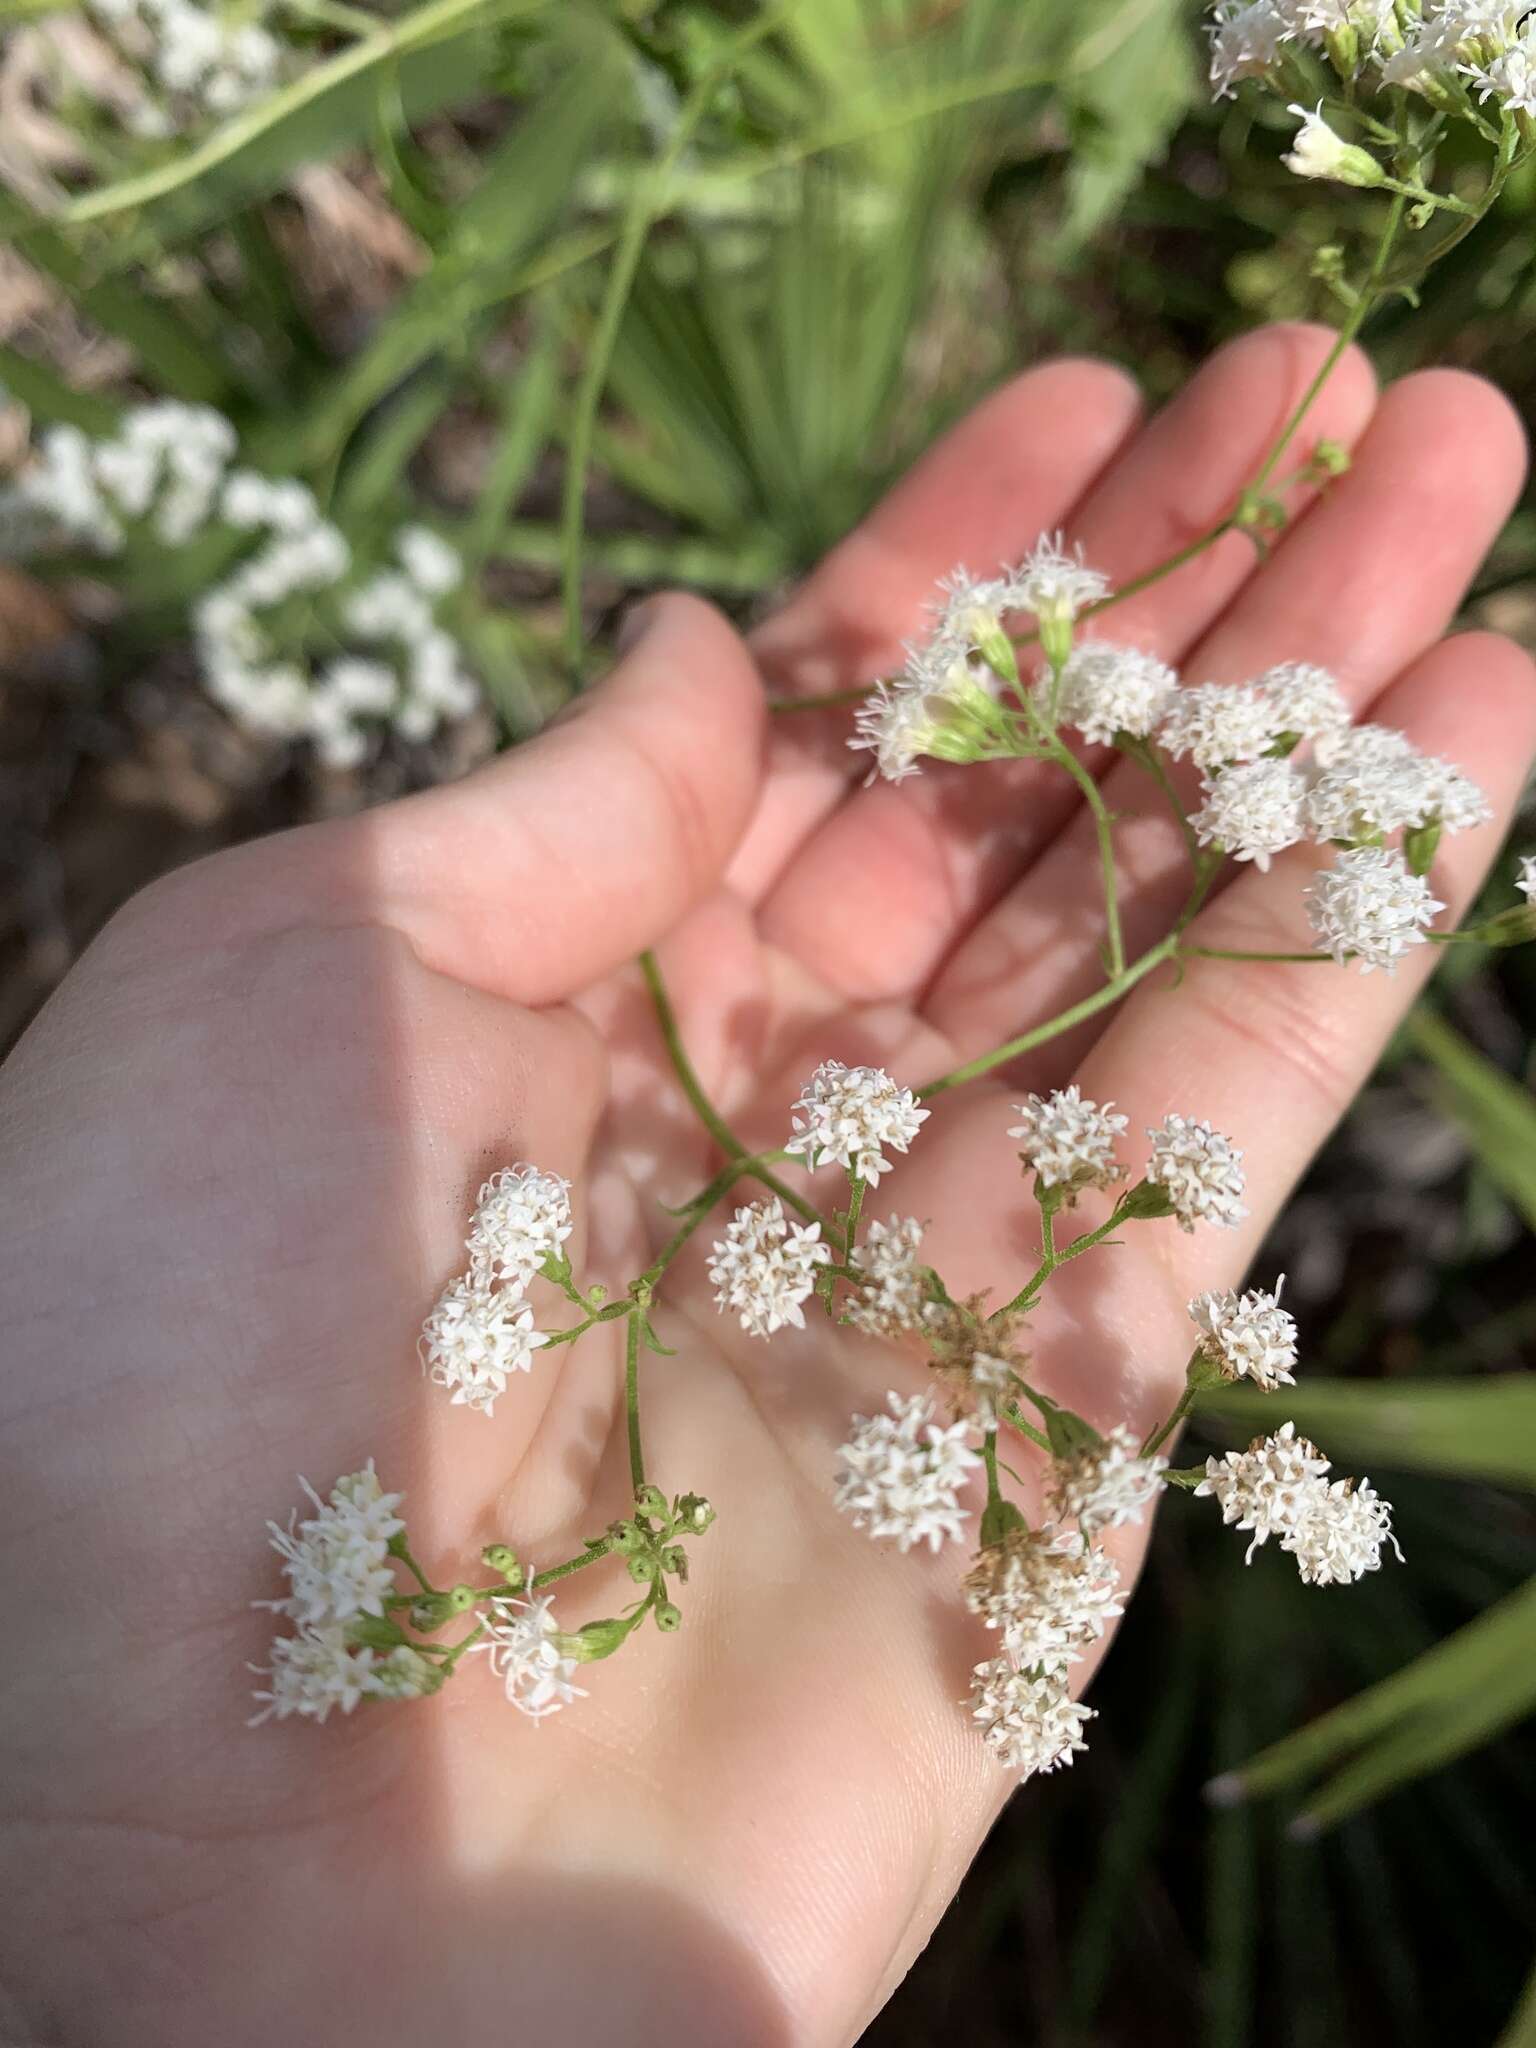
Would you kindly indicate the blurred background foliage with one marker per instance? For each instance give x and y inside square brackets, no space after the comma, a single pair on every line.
[623,292]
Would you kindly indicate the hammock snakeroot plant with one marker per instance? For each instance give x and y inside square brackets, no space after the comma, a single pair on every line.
[1014,668]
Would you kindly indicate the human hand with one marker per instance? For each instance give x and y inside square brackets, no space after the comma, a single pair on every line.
[240,1144]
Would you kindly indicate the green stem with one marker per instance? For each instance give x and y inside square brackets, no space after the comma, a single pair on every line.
[1231,953]
[829,700]
[1041,1034]
[703,1108]
[398,1547]
[632,1400]
[1015,1420]
[855,1208]
[1186,1401]
[1103,825]
[1149,756]
[1054,1258]
[648,202]
[593,1553]
[989,1459]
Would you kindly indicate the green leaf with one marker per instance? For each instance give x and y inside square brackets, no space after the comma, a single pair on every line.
[1521,2031]
[1495,1114]
[1474,1428]
[1118,133]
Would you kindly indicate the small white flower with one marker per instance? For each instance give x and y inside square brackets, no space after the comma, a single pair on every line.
[1053,583]
[1069,1142]
[337,1562]
[1050,1592]
[766,1266]
[312,1673]
[523,1644]
[432,565]
[1509,77]
[896,724]
[1107,690]
[968,610]
[1252,811]
[846,1116]
[1199,1171]
[1218,724]
[474,1340]
[1027,1719]
[1268,1489]
[1339,1536]
[890,1299]
[1369,907]
[1374,781]
[1247,1336]
[1525,877]
[900,1474]
[1109,1484]
[522,1217]
[1247,38]
[1317,152]
[1305,701]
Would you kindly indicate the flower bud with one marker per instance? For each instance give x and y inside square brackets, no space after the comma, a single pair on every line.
[669,1619]
[461,1598]
[431,1611]
[1318,152]
[650,1500]
[627,1537]
[694,1513]
[375,1632]
[500,1557]
[643,1568]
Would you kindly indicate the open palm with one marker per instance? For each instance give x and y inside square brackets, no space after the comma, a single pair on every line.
[239,1149]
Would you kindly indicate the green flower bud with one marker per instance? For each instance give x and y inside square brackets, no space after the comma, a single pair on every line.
[375,1632]
[627,1537]
[694,1513]
[650,1500]
[431,1611]
[500,1557]
[1147,1201]
[674,1559]
[643,1568]
[461,1598]
[669,1619]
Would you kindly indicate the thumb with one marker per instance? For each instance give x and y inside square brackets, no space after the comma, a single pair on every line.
[560,860]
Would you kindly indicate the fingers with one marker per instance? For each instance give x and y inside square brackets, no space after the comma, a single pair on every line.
[1012,467]
[557,861]
[1360,586]
[1272,1054]
[898,874]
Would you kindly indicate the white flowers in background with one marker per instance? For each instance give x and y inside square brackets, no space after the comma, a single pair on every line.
[1217,724]
[1318,152]
[1252,811]
[201,63]
[522,1217]
[900,1474]
[846,1116]
[474,1340]
[166,474]
[1199,1172]
[1279,1487]
[890,1297]
[1247,37]
[1107,690]
[481,1329]
[1525,877]
[1069,1142]
[1106,1485]
[1509,77]
[1027,1719]
[1247,1336]
[524,1646]
[1370,908]
[766,1266]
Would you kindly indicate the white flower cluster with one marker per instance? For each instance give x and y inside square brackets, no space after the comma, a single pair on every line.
[1247,1336]
[201,63]
[1525,877]
[1278,1487]
[1252,811]
[1051,1594]
[481,1329]
[1199,1172]
[847,1115]
[900,1474]
[765,1267]
[1369,907]
[1107,690]
[337,1564]
[1489,43]
[526,1653]
[1373,781]
[1069,1142]
[1108,1484]
[890,1297]
[1218,724]
[167,471]
[162,469]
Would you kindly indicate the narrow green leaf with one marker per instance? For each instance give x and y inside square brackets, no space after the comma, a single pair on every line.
[527,416]
[1521,2031]
[45,394]
[1495,1114]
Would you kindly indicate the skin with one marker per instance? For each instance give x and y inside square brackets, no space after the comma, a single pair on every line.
[240,1144]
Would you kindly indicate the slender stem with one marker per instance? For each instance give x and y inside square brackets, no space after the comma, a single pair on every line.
[1103,825]
[1054,1258]
[703,1108]
[591,1555]
[647,203]
[1027,1430]
[1230,953]
[632,1400]
[855,1207]
[401,1549]
[1041,1034]
[1186,1401]
[1149,577]
[989,1459]
[1149,756]
[829,700]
